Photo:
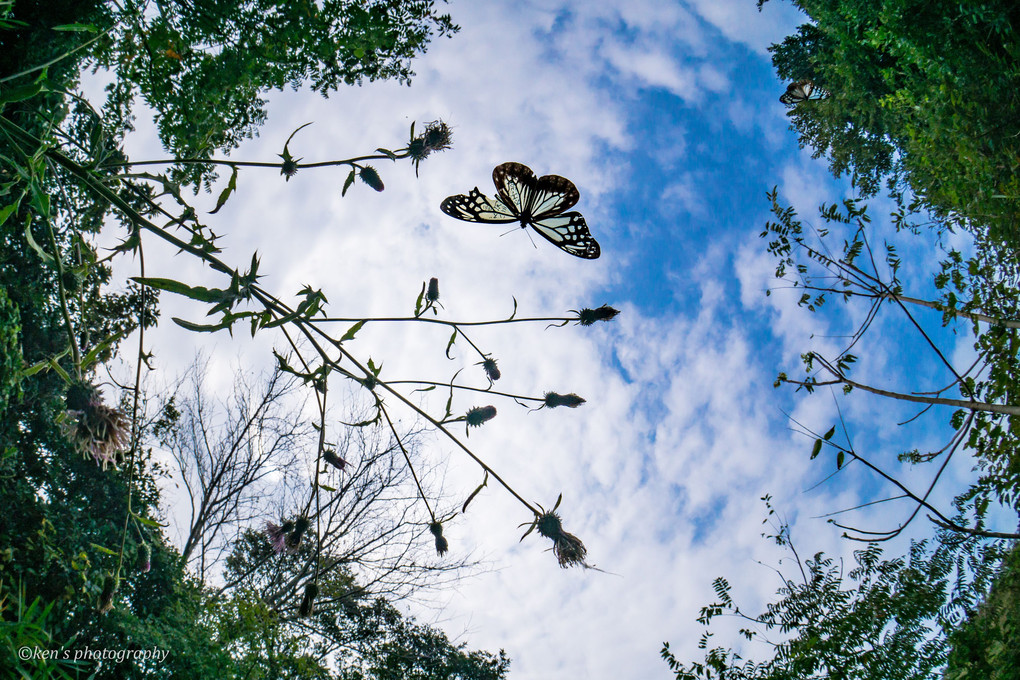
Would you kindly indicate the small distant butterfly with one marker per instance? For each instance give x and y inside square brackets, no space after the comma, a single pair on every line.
[536,202]
[801,91]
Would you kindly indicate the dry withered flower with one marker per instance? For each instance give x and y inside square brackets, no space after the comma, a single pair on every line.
[442,545]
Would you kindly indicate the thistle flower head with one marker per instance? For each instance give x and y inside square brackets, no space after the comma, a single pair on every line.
[277,536]
[586,317]
[552,400]
[432,294]
[301,525]
[289,168]
[96,429]
[308,601]
[110,586]
[331,457]
[442,545]
[370,177]
[478,415]
[491,370]
[144,557]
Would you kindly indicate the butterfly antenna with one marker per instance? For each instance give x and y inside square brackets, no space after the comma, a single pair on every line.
[528,232]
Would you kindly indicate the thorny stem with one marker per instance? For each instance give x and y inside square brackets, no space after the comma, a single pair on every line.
[135,428]
[267,300]
[397,155]
[58,263]
[464,387]
[444,322]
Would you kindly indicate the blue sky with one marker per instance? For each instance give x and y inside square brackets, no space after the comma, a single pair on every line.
[666,116]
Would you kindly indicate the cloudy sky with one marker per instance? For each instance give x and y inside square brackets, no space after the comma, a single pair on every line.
[666,117]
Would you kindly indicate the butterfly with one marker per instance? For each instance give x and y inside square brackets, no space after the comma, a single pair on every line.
[801,91]
[536,202]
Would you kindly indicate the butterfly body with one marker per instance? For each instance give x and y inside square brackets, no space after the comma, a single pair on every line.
[537,202]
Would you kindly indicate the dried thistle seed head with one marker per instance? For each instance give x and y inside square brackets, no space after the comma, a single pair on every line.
[288,168]
[587,317]
[330,456]
[370,177]
[569,551]
[110,586]
[478,415]
[552,400]
[438,136]
[308,601]
[442,545]
[432,294]
[97,430]
[491,370]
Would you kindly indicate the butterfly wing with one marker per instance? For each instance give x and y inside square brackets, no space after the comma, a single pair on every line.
[568,232]
[801,91]
[477,207]
[533,198]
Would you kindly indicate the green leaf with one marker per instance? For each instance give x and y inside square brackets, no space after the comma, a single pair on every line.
[200,293]
[327,488]
[23,92]
[93,353]
[474,493]
[417,304]
[103,550]
[43,255]
[7,211]
[44,364]
[59,370]
[839,460]
[450,344]
[225,194]
[392,156]
[203,328]
[828,435]
[353,330]
[816,449]
[148,522]
[87,28]
[347,183]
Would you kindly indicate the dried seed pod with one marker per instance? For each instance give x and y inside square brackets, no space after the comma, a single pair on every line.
[370,177]
[478,415]
[442,545]
[587,317]
[307,607]
[552,400]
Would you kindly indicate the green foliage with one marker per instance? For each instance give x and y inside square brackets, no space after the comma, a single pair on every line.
[885,619]
[205,67]
[987,645]
[921,92]
[361,637]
